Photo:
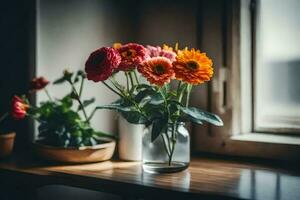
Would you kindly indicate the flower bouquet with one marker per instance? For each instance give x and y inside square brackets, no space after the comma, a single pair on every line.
[161,102]
[62,133]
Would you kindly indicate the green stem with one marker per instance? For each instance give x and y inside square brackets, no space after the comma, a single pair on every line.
[47,93]
[77,97]
[127,81]
[112,89]
[165,145]
[181,93]
[136,78]
[189,89]
[115,84]
[178,87]
[92,114]
[173,143]
[131,79]
[169,143]
[81,87]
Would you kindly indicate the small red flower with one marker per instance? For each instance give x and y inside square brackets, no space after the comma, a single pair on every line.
[19,108]
[132,55]
[38,83]
[101,64]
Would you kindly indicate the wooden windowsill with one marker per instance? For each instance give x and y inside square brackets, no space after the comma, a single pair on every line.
[268,138]
[206,178]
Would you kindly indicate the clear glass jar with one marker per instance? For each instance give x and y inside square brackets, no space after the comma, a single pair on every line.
[169,152]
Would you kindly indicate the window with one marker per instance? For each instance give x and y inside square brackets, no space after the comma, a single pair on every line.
[277,66]
[254,45]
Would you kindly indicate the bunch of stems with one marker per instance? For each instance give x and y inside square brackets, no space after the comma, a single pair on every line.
[183,89]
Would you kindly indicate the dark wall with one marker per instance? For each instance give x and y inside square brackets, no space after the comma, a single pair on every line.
[17,24]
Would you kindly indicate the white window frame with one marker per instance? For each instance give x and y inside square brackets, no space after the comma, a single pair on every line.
[230,93]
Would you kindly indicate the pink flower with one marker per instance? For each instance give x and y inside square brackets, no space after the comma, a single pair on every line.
[159,52]
[19,108]
[101,64]
[132,55]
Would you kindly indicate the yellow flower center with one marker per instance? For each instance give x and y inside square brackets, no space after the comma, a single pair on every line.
[129,53]
[192,64]
[159,69]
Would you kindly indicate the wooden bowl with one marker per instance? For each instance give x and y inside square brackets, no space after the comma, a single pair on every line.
[88,154]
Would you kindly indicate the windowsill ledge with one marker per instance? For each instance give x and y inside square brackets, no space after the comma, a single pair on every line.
[268,138]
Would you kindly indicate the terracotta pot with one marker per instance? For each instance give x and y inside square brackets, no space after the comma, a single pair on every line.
[87,154]
[6,144]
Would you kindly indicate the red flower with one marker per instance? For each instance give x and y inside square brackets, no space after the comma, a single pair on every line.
[132,55]
[101,64]
[19,108]
[38,83]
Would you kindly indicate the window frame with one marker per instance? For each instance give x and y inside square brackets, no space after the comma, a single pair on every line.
[220,25]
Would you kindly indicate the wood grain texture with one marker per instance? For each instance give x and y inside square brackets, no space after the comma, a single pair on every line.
[205,179]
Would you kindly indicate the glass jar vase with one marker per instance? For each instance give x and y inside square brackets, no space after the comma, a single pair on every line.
[169,152]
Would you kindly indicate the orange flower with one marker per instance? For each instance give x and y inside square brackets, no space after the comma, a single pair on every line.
[157,70]
[192,66]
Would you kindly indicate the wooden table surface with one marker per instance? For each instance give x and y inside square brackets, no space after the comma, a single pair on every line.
[205,179]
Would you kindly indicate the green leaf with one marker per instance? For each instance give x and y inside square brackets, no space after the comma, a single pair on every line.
[157,128]
[67,101]
[144,86]
[142,94]
[134,117]
[200,115]
[165,89]
[86,103]
[116,107]
[156,99]
[59,81]
[76,79]
[188,118]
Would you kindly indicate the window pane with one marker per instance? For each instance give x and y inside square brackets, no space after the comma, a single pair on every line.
[276,78]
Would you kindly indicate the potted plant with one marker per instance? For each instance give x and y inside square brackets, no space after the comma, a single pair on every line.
[162,104]
[7,137]
[63,135]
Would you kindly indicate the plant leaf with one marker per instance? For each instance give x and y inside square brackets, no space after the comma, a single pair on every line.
[157,128]
[144,86]
[59,81]
[116,107]
[134,117]
[67,101]
[197,115]
[156,99]
[142,94]
[86,103]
